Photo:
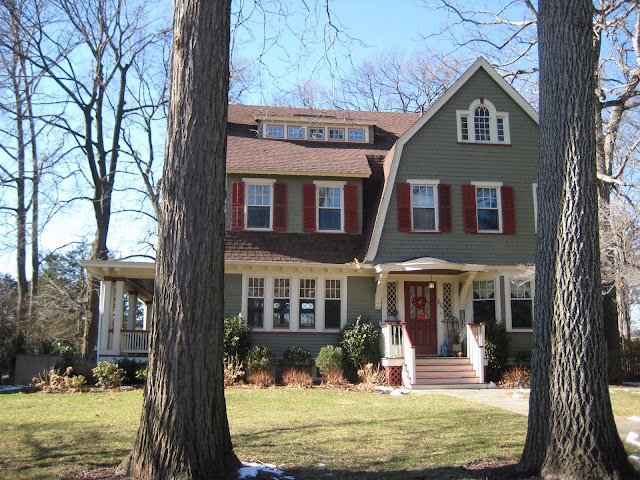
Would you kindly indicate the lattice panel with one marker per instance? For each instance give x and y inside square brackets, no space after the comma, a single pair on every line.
[393,376]
[447,300]
[392,296]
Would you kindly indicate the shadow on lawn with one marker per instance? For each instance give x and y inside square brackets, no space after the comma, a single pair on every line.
[489,472]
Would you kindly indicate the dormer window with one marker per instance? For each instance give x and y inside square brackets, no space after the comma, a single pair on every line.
[296,132]
[356,135]
[316,133]
[481,123]
[336,134]
[275,131]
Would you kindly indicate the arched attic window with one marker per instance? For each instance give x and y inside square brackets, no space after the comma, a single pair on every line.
[481,123]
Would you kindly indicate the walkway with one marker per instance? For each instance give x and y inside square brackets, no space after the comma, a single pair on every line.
[504,398]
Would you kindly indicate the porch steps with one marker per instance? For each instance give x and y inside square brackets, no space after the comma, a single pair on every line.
[445,372]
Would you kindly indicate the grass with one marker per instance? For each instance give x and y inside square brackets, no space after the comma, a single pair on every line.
[313,432]
[625,401]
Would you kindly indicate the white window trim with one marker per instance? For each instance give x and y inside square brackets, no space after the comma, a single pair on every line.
[493,123]
[365,136]
[498,187]
[507,306]
[258,181]
[294,301]
[330,184]
[497,296]
[535,207]
[305,131]
[426,183]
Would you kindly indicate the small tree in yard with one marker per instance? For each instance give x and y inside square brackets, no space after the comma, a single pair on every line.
[329,361]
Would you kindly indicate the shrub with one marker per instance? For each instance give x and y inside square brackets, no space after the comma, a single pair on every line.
[232,370]
[296,357]
[109,374]
[237,337]
[496,348]
[515,377]
[259,358]
[330,360]
[131,368]
[141,374]
[293,377]
[334,378]
[261,378]
[360,341]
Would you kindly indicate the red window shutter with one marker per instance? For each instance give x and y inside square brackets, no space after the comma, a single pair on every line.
[469,206]
[404,207]
[444,206]
[280,206]
[309,208]
[350,208]
[237,205]
[508,210]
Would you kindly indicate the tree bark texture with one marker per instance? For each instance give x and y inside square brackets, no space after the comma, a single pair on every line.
[571,434]
[184,431]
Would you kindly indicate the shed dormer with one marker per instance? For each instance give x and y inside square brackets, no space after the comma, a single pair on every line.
[317,128]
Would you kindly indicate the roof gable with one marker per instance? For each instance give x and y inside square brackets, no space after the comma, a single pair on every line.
[395,154]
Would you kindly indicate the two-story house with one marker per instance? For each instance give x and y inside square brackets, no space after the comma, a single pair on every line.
[422,222]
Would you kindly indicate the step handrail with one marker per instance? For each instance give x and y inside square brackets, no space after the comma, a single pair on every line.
[409,352]
[475,348]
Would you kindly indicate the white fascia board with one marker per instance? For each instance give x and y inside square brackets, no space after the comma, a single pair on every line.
[119,268]
[446,96]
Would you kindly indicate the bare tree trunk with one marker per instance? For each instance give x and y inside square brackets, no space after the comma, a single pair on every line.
[184,431]
[572,433]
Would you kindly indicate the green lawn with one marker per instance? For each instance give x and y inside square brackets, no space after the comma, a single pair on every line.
[314,432]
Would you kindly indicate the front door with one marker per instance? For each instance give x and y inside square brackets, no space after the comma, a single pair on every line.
[420,316]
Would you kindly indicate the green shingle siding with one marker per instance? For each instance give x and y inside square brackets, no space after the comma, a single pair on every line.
[278,343]
[361,292]
[434,153]
[232,294]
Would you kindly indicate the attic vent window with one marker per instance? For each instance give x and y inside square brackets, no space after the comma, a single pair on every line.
[488,125]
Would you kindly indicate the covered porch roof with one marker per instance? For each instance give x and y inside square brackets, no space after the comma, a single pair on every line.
[138,276]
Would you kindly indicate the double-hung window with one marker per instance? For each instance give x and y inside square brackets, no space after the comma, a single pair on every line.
[489,207]
[281,303]
[255,302]
[482,123]
[423,207]
[484,301]
[330,208]
[259,202]
[307,301]
[521,305]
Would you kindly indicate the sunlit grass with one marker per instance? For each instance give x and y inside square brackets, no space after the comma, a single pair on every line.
[313,432]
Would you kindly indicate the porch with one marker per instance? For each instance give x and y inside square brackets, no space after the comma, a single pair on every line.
[421,372]
[126,295]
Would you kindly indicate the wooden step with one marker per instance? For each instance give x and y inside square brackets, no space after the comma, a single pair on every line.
[476,386]
[431,380]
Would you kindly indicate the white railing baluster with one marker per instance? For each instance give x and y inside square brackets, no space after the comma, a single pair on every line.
[475,348]
[134,341]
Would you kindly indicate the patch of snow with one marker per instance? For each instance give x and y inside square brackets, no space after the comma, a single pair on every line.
[524,390]
[321,465]
[404,391]
[492,385]
[396,393]
[634,418]
[126,388]
[633,439]
[635,459]
[517,395]
[251,469]
[385,389]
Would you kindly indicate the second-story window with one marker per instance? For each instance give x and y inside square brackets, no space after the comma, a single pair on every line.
[275,131]
[295,132]
[356,135]
[487,208]
[329,208]
[259,201]
[316,133]
[336,134]
[423,204]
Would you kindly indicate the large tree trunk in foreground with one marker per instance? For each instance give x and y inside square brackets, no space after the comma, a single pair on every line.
[184,431]
[571,432]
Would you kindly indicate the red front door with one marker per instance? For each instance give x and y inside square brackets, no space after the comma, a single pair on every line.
[420,316]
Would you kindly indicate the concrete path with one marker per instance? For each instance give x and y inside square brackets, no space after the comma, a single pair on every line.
[517,402]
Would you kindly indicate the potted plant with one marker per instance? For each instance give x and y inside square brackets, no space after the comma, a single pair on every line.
[456,343]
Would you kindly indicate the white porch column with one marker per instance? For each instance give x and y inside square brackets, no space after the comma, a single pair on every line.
[118,314]
[146,316]
[133,307]
[105,317]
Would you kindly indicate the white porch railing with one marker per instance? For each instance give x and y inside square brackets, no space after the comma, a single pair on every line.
[392,340]
[409,353]
[475,348]
[134,341]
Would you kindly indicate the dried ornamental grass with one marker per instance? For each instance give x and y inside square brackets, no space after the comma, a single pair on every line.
[294,377]
[232,371]
[334,378]
[515,377]
[261,378]
[371,374]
